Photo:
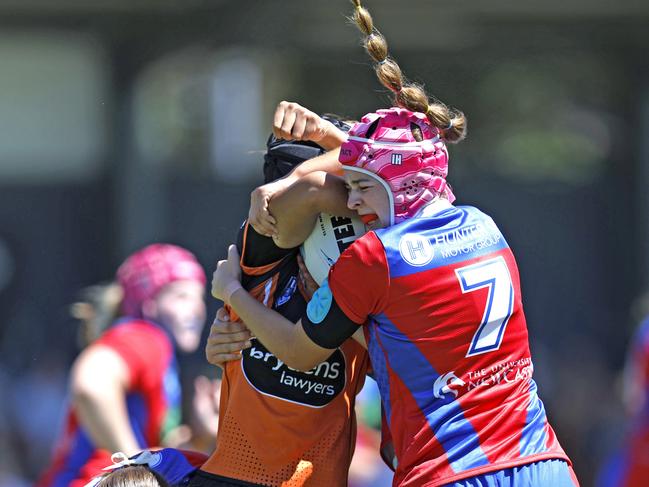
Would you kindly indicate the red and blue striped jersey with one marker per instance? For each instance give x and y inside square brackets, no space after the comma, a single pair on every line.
[448,342]
[153,402]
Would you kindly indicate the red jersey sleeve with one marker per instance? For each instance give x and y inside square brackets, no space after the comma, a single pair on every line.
[142,346]
[359,280]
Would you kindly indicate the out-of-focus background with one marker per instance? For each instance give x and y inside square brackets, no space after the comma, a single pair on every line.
[126,122]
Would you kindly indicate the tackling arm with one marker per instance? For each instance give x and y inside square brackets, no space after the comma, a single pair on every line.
[294,122]
[286,340]
[296,207]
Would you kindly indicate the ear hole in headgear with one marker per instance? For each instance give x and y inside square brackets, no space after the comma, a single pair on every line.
[372,128]
[416,132]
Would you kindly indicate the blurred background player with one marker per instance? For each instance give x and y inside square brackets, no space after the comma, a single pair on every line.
[125,389]
[279,426]
[629,466]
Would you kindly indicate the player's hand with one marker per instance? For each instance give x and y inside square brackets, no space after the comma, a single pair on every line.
[203,424]
[258,215]
[178,437]
[205,408]
[294,122]
[227,276]
[226,340]
[308,284]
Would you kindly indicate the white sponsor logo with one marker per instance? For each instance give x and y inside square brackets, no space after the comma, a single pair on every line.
[444,382]
[272,377]
[397,159]
[501,374]
[416,250]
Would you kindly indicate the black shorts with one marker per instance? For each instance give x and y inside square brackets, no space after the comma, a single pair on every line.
[206,479]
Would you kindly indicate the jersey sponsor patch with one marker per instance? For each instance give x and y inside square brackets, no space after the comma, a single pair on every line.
[443,385]
[314,388]
[320,304]
[287,292]
[416,250]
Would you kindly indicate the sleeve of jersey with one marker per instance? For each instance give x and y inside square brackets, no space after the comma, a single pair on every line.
[259,254]
[142,348]
[360,279]
[332,317]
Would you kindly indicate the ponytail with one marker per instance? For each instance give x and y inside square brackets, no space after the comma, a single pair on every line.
[411,96]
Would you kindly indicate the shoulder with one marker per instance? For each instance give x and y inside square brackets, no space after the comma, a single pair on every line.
[360,279]
[366,250]
[135,335]
[130,327]
[475,214]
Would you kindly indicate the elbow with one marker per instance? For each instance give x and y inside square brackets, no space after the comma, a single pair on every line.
[84,397]
[303,358]
[86,407]
[301,352]
[284,241]
[302,364]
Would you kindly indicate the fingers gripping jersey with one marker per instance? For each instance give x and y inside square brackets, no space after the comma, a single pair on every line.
[448,343]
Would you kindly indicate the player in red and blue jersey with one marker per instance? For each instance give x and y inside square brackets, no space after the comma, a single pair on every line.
[125,386]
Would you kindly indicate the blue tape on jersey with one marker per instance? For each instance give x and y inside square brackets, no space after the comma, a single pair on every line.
[320,304]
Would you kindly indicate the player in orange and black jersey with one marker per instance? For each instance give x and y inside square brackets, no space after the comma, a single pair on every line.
[279,426]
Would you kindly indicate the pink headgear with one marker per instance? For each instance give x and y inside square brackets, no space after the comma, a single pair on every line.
[146,272]
[413,172]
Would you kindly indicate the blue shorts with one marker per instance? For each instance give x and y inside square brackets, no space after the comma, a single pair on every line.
[547,473]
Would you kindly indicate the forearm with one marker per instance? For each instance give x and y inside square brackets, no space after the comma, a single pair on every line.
[104,417]
[296,207]
[327,162]
[286,340]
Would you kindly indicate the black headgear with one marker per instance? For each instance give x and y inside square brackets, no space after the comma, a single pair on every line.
[283,155]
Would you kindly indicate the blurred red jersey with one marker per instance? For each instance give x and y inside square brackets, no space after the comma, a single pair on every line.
[153,402]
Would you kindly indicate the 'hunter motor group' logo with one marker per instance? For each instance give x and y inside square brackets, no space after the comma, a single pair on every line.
[270,376]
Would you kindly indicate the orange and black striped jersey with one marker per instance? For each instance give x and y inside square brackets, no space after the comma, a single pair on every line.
[279,426]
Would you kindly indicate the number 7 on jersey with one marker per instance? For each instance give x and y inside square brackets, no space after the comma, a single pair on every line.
[494,275]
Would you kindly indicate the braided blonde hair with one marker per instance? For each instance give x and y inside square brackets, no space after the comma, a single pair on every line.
[450,122]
